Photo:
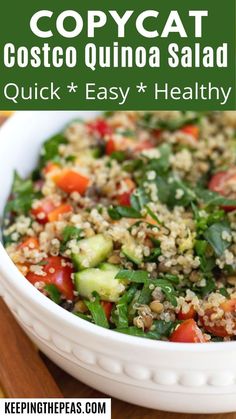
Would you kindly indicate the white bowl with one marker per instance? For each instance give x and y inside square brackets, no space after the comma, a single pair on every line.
[195,378]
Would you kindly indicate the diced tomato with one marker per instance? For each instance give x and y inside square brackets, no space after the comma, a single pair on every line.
[130,184]
[70,181]
[157,133]
[192,130]
[124,199]
[107,307]
[30,242]
[110,147]
[56,274]
[42,210]
[50,167]
[58,211]
[143,145]
[187,332]
[229,306]
[215,327]
[99,127]
[191,314]
[222,183]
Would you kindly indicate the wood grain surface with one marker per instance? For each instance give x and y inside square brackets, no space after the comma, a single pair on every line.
[22,372]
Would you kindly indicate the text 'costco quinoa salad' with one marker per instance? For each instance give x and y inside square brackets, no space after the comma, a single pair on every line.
[129,222]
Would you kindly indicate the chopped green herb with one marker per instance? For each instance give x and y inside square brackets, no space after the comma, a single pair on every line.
[214,235]
[118,212]
[97,311]
[53,293]
[133,276]
[50,149]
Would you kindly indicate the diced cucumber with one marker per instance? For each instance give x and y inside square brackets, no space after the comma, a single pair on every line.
[130,251]
[109,267]
[92,251]
[103,282]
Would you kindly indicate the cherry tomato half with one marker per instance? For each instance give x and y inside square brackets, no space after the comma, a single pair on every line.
[191,314]
[57,272]
[187,332]
[215,327]
[107,307]
[100,128]
[42,210]
[222,183]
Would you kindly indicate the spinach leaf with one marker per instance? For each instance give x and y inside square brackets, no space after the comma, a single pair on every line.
[206,220]
[139,199]
[214,237]
[207,263]
[168,189]
[164,328]
[97,311]
[70,233]
[211,198]
[118,212]
[22,196]
[122,307]
[50,148]
[132,165]
[145,295]
[140,277]
[118,156]
[209,287]
[155,252]
[167,289]
[152,122]
[135,331]
[174,279]
[153,215]
[224,292]
[53,293]
[162,164]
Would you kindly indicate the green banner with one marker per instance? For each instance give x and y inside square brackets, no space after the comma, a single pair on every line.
[117,55]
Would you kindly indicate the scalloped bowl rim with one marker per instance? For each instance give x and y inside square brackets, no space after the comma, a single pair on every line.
[31,294]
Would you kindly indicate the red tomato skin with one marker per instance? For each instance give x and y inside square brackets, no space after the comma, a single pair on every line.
[61,278]
[107,307]
[124,199]
[70,181]
[218,183]
[192,130]
[157,133]
[50,167]
[30,242]
[229,306]
[46,206]
[58,211]
[100,127]
[110,147]
[191,314]
[216,330]
[187,332]
[143,145]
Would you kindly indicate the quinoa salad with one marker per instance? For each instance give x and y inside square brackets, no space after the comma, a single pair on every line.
[129,222]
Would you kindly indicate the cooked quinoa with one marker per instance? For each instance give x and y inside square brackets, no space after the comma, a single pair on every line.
[129,222]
